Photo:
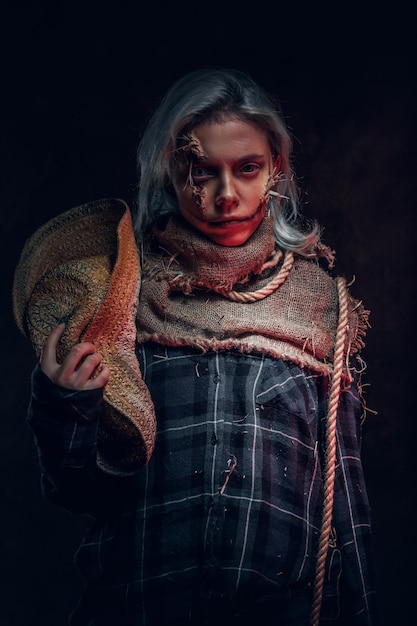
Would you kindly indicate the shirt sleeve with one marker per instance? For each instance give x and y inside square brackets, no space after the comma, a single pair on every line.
[65,423]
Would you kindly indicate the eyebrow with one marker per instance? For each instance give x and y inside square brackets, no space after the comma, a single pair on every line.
[203,158]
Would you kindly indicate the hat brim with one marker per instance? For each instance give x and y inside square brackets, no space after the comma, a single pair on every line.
[82,267]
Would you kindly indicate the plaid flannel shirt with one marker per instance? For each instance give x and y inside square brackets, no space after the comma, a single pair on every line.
[228,508]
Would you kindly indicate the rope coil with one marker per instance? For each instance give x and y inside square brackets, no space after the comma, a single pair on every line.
[260,294]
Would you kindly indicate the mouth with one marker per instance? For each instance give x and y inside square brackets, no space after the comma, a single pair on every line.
[225,221]
[229,221]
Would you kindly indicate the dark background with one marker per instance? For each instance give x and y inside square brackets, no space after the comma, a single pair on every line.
[78,82]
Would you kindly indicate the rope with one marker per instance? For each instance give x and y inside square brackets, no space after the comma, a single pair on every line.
[260,294]
[330,451]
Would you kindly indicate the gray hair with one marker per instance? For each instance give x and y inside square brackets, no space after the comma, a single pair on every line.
[204,95]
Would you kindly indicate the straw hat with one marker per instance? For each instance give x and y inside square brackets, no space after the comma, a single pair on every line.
[82,267]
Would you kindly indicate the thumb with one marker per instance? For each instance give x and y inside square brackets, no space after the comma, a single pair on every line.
[48,350]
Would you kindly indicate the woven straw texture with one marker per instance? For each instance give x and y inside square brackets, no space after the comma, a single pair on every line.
[82,268]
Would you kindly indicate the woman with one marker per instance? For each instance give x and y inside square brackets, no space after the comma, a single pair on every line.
[237,492]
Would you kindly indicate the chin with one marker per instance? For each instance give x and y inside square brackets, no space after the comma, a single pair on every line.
[231,241]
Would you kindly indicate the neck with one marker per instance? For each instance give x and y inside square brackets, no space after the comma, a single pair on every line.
[197,262]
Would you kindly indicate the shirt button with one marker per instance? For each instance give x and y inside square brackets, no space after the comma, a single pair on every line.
[216,379]
[214,439]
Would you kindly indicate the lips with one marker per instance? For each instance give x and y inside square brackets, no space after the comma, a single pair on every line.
[232,221]
[236,220]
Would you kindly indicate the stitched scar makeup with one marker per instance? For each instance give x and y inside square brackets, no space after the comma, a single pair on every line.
[193,153]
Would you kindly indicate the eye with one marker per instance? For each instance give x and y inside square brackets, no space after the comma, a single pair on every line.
[200,173]
[250,168]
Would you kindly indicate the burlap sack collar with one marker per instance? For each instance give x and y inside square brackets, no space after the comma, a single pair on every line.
[182,301]
[82,268]
[198,262]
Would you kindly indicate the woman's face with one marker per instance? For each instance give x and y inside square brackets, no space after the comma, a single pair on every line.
[221,180]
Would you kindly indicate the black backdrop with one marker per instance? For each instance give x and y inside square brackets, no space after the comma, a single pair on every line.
[79,80]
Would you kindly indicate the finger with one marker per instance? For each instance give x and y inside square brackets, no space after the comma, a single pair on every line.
[77,355]
[88,368]
[91,374]
[48,352]
[100,380]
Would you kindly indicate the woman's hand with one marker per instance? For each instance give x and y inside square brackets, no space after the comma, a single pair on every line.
[82,368]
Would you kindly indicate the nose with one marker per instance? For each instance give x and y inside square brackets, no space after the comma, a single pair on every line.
[226,197]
